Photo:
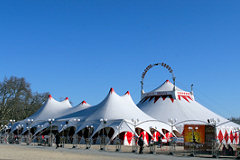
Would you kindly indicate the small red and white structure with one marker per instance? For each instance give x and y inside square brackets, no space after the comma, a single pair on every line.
[128,139]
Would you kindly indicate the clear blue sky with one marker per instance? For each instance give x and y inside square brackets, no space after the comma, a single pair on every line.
[80,49]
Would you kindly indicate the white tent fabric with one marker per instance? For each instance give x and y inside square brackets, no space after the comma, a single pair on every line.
[115,107]
[60,122]
[119,112]
[79,107]
[71,120]
[163,103]
[51,109]
[227,135]
[80,112]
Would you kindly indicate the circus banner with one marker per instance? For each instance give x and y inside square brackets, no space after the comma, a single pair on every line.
[198,136]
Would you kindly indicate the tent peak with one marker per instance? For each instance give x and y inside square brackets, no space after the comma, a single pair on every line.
[83,102]
[167,81]
[111,90]
[127,93]
[66,98]
[50,96]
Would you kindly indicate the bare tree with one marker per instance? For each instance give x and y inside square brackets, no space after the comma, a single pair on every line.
[235,120]
[17,100]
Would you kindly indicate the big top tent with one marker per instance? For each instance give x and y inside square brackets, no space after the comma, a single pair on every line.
[169,102]
[119,112]
[162,111]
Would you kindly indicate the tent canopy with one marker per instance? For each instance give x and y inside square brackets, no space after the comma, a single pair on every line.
[164,103]
[51,109]
[117,111]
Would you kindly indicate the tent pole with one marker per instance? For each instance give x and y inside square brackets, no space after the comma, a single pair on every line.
[174,83]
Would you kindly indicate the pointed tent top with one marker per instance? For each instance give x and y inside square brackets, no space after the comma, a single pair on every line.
[166,86]
[51,99]
[111,90]
[83,102]
[184,109]
[109,108]
[127,93]
[51,109]
[66,102]
[167,90]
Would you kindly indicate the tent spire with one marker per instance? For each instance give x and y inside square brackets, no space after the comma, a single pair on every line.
[174,83]
[192,89]
[127,93]
[111,90]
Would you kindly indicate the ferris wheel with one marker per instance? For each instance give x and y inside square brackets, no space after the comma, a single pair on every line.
[163,65]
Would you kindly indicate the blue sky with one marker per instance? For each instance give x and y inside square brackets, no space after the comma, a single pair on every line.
[79,49]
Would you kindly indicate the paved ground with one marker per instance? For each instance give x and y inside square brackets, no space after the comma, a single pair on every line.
[23,152]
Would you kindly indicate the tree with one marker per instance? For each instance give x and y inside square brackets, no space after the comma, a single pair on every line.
[235,120]
[17,100]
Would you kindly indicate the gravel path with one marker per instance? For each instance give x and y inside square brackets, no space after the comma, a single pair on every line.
[22,152]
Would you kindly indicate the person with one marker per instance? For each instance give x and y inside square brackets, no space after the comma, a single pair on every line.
[57,140]
[224,150]
[173,142]
[43,141]
[159,141]
[140,143]
[230,150]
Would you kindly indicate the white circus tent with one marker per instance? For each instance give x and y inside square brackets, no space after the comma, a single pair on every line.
[119,113]
[59,122]
[169,102]
[83,105]
[70,116]
[51,109]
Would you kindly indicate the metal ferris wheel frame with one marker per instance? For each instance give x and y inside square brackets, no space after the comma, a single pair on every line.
[164,65]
